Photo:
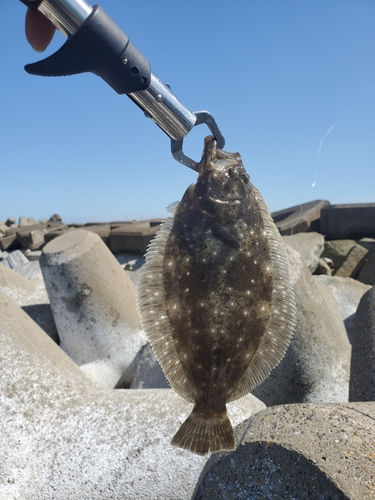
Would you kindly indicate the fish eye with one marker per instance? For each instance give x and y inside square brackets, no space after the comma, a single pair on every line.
[231,171]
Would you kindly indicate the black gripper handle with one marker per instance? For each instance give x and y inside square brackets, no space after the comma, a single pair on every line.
[98,46]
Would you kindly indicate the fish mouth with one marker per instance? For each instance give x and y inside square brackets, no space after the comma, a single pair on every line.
[223,202]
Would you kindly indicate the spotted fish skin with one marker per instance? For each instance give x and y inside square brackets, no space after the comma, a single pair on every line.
[215,298]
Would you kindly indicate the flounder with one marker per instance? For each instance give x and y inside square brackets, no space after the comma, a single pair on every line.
[215,298]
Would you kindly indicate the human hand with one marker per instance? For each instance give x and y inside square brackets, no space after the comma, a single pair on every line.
[39,30]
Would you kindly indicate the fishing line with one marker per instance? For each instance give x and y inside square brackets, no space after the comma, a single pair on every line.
[330,130]
[296,221]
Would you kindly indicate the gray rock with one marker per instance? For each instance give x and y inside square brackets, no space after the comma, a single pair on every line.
[348,221]
[348,293]
[303,452]
[316,365]
[31,221]
[64,438]
[309,245]
[149,374]
[93,303]
[362,370]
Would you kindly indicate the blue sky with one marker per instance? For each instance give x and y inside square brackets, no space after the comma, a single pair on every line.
[276,75]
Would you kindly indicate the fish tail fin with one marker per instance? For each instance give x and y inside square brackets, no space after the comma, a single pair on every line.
[202,434]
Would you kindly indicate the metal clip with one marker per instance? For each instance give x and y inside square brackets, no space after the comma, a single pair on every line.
[176,146]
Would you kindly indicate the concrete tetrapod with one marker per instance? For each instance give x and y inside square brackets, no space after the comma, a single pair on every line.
[303,451]
[62,438]
[317,362]
[362,370]
[93,303]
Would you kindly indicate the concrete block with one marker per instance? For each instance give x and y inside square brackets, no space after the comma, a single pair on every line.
[348,221]
[353,263]
[54,233]
[3,228]
[33,255]
[24,234]
[23,222]
[367,273]
[337,251]
[301,218]
[317,362]
[10,221]
[131,237]
[101,230]
[64,438]
[93,303]
[348,293]
[13,260]
[55,218]
[309,245]
[31,296]
[8,242]
[323,268]
[305,451]
[149,374]
[362,370]
[31,271]
[43,317]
